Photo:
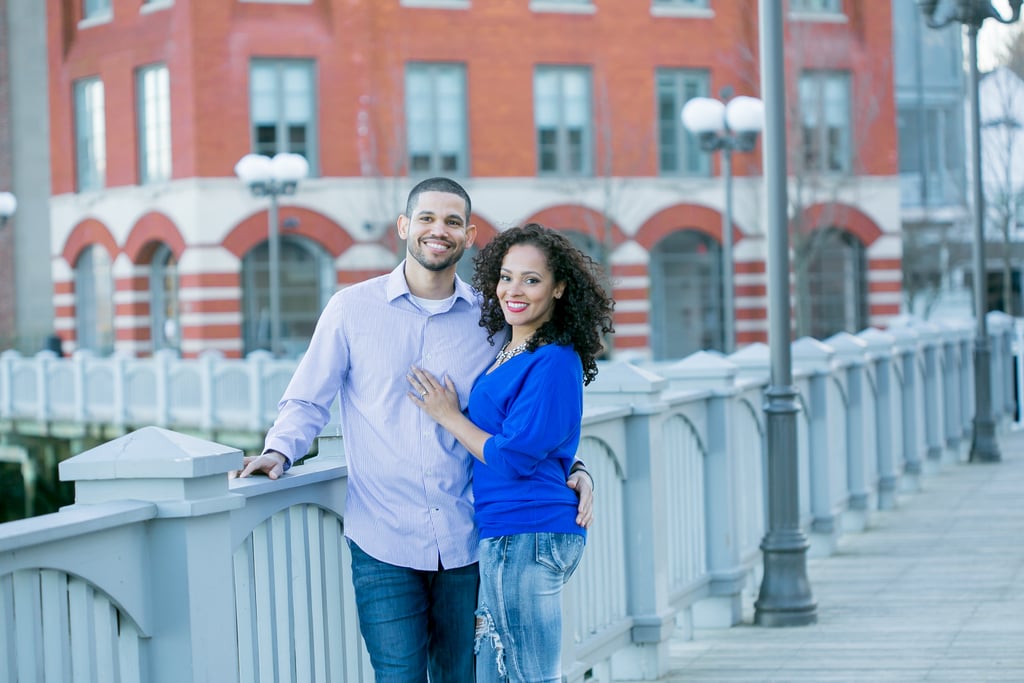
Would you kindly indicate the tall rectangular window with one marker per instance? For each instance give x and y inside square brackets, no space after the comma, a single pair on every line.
[95,9]
[152,88]
[825,121]
[435,118]
[679,152]
[930,146]
[282,107]
[562,117]
[90,135]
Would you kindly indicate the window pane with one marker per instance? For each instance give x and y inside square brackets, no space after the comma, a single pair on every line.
[283,106]
[435,114]
[298,100]
[679,151]
[90,134]
[264,94]
[154,110]
[825,112]
[95,8]
[562,118]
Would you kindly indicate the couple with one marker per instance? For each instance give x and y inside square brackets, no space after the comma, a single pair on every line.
[413,355]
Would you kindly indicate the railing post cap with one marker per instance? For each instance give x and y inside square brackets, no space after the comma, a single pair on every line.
[906,337]
[152,453]
[703,369]
[752,359]
[847,347]
[998,319]
[812,354]
[877,340]
[625,377]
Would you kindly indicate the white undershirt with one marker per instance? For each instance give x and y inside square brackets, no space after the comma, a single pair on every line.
[433,306]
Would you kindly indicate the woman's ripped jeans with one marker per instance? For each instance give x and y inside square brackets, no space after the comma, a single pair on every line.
[519,617]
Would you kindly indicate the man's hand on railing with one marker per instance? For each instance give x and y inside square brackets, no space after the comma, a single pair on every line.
[270,463]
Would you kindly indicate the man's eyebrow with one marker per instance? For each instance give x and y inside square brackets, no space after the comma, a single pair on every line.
[428,212]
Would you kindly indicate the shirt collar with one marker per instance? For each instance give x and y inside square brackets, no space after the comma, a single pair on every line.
[397,286]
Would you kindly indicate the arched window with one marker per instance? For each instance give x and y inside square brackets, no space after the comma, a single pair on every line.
[94,301]
[837,284]
[686,295]
[587,244]
[165,323]
[306,280]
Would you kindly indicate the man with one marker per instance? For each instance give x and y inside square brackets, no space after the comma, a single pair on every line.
[409,510]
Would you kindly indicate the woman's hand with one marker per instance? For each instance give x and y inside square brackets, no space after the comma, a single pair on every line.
[439,401]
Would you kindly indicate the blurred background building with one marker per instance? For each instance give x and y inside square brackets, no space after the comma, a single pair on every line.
[565,112]
[26,287]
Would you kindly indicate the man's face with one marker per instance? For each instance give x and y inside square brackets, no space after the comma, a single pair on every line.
[437,232]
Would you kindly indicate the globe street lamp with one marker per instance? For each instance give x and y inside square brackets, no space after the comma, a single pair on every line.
[8,205]
[725,125]
[972,14]
[273,177]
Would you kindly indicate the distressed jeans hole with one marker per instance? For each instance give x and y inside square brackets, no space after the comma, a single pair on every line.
[487,634]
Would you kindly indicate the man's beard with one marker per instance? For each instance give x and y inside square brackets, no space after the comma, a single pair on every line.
[420,255]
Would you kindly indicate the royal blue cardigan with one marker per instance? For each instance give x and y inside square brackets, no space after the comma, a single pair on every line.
[532,405]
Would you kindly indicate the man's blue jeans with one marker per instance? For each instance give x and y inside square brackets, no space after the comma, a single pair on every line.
[519,619]
[414,621]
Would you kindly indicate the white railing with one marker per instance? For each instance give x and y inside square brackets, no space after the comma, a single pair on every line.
[166,570]
[212,393]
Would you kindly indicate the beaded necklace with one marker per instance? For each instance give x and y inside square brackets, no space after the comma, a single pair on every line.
[507,353]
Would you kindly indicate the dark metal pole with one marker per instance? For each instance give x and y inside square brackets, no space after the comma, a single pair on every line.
[729,309]
[984,447]
[274,267]
[785,598]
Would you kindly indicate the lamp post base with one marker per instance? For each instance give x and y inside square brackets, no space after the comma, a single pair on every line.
[984,447]
[785,598]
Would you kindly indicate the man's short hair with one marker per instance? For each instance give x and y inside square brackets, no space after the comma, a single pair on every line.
[438,184]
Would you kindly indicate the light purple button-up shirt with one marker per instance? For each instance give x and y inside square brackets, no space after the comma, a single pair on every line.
[410,499]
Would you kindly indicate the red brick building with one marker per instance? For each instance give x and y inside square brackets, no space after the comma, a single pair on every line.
[564,112]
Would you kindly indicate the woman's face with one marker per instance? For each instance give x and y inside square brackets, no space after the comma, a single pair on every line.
[526,288]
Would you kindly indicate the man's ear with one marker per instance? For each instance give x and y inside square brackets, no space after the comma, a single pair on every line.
[470,235]
[403,226]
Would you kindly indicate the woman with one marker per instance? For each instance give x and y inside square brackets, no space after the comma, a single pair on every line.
[523,428]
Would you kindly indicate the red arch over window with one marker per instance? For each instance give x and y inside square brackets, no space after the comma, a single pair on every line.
[576,217]
[311,224]
[843,216]
[683,217]
[85,234]
[153,227]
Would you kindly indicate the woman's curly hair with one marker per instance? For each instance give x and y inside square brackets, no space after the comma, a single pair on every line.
[583,314]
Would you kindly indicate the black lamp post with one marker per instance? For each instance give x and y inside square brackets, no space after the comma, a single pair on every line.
[785,597]
[972,14]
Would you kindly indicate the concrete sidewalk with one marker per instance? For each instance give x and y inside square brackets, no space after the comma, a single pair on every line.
[932,591]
